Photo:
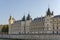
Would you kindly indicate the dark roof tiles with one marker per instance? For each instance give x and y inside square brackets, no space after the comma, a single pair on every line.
[57,16]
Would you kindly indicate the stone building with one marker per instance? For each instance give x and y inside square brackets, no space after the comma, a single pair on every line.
[19,26]
[47,24]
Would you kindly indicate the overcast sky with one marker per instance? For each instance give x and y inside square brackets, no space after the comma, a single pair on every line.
[17,8]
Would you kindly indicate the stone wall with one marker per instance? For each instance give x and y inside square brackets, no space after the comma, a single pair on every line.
[27,36]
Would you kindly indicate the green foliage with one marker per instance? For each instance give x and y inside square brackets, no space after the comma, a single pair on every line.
[5,29]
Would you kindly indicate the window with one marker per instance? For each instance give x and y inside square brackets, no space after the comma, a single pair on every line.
[47,19]
[49,28]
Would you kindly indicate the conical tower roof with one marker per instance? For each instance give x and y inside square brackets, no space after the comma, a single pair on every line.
[23,19]
[48,12]
[28,17]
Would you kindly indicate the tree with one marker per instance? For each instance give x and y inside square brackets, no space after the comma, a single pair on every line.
[5,29]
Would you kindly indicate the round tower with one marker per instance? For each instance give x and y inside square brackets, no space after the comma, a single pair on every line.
[11,20]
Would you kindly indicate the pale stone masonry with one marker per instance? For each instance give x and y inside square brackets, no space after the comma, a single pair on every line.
[31,37]
[47,24]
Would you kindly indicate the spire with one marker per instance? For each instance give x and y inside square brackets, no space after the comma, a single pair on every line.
[48,6]
[23,19]
[28,17]
[48,12]
[10,17]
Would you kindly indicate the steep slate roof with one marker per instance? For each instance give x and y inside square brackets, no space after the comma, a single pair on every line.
[28,17]
[57,16]
[23,19]
[39,19]
[49,12]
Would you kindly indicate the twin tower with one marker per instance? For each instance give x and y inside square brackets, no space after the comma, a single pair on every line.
[11,19]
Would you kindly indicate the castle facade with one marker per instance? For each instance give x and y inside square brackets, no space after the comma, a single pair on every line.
[47,24]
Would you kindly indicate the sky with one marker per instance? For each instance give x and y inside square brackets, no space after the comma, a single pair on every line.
[19,8]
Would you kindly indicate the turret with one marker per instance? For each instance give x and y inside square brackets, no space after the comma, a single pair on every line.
[29,17]
[28,21]
[11,20]
[49,13]
[23,19]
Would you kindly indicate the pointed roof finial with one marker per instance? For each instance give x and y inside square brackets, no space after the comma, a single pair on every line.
[48,6]
[48,11]
[48,1]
